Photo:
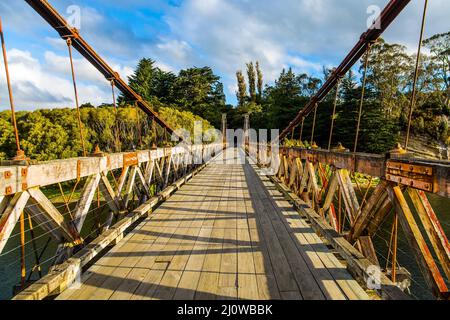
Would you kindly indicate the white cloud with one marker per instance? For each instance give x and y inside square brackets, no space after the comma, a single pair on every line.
[34,86]
[223,34]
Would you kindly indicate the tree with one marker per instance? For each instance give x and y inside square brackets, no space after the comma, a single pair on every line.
[260,83]
[439,46]
[388,76]
[150,82]
[251,81]
[242,89]
[283,100]
[199,91]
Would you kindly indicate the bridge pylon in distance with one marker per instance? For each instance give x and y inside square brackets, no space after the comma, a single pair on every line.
[246,129]
[224,128]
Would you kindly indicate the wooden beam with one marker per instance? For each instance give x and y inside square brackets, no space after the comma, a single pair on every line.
[348,194]
[378,217]
[415,239]
[63,276]
[332,188]
[433,228]
[41,219]
[357,264]
[83,205]
[54,218]
[130,185]
[11,215]
[108,193]
[365,217]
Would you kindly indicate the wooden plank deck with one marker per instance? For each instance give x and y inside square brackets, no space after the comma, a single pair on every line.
[227,234]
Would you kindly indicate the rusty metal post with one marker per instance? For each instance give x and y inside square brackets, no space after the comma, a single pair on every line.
[20,155]
[416,76]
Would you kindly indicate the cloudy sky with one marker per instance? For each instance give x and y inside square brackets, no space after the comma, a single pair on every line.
[223,34]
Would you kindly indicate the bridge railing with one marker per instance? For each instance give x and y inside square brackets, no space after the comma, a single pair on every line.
[63,205]
[365,197]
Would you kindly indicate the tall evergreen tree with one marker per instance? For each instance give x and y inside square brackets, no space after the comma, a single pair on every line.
[260,83]
[251,81]
[242,89]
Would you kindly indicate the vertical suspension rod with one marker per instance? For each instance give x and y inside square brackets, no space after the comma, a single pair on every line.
[363,93]
[80,125]
[11,98]
[338,86]
[416,75]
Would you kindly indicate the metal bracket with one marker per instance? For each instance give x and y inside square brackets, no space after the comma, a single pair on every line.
[417,176]
[130,159]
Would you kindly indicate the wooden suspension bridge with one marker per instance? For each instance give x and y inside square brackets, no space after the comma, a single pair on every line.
[212,222]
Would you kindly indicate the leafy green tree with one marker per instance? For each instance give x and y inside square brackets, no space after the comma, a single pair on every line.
[199,91]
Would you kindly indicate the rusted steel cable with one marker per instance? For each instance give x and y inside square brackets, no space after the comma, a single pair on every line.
[80,127]
[20,153]
[416,75]
[116,126]
[314,124]
[23,268]
[301,129]
[35,250]
[138,122]
[338,86]
[387,16]
[363,93]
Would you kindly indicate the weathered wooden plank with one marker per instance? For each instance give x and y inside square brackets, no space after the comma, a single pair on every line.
[11,215]
[364,218]
[433,228]
[64,275]
[55,218]
[86,197]
[357,264]
[415,239]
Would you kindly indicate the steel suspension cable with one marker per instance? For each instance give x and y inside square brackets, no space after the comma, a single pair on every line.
[314,124]
[301,129]
[363,93]
[80,127]
[20,154]
[338,86]
[416,75]
[116,126]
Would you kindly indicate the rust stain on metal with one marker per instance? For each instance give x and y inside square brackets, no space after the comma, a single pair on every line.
[130,159]
[7,174]
[8,190]
[78,170]
[417,176]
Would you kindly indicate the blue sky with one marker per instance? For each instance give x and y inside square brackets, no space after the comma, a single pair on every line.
[223,34]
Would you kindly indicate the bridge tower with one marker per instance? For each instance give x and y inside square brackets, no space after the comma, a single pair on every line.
[224,129]
[246,129]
